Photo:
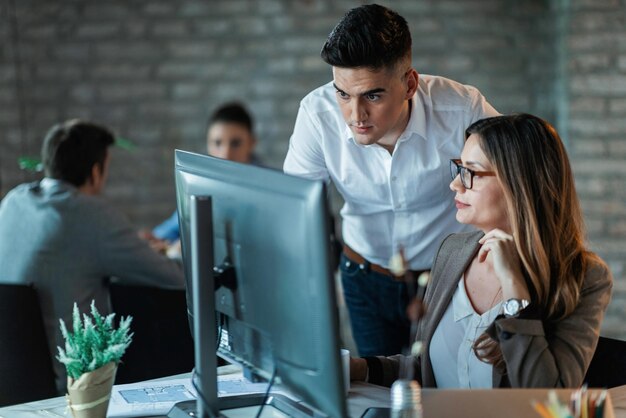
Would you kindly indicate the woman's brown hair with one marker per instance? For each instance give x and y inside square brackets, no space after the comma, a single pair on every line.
[533,169]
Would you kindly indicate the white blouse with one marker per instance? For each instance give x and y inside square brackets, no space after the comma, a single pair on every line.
[454,362]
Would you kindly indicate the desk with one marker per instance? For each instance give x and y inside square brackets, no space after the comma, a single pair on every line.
[618,395]
[361,397]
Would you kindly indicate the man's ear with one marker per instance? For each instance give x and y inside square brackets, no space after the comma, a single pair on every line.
[412,81]
[96,174]
[90,186]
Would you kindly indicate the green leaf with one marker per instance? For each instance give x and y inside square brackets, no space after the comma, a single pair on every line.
[32,164]
[35,165]
[125,144]
[93,342]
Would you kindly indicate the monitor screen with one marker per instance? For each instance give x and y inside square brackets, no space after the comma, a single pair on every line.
[267,235]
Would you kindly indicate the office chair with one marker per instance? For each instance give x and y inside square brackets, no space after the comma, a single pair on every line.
[26,372]
[608,365]
[162,343]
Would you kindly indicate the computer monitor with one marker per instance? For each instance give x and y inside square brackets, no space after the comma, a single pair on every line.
[267,235]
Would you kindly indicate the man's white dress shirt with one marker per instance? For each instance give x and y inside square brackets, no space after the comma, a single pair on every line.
[391,201]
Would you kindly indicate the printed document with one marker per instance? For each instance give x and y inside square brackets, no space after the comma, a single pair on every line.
[158,397]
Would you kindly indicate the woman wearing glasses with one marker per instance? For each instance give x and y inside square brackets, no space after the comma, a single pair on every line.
[518,303]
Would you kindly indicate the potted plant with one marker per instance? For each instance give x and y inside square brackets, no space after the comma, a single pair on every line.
[92,352]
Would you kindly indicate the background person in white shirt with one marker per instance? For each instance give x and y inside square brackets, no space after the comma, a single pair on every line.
[384,135]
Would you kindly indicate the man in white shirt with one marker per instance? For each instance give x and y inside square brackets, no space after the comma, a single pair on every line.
[384,135]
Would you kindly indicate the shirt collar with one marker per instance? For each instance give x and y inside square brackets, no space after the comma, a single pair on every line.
[50,182]
[417,122]
[460,302]
[55,185]
[47,182]
[463,307]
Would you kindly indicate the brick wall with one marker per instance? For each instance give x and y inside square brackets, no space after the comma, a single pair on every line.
[596,70]
[154,69]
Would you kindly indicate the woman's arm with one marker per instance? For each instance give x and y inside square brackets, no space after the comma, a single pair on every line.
[384,371]
[558,356]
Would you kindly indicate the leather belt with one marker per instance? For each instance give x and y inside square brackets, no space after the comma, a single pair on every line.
[366,265]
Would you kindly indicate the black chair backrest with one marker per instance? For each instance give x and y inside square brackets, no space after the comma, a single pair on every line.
[608,365]
[162,343]
[26,372]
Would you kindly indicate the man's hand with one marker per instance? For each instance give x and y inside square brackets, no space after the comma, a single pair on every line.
[358,369]
[158,245]
[415,310]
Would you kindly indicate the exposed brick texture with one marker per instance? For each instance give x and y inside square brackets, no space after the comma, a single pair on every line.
[154,69]
[597,129]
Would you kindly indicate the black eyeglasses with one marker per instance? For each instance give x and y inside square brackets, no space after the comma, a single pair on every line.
[467,174]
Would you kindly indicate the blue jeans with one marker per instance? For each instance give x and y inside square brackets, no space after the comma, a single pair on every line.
[377,306]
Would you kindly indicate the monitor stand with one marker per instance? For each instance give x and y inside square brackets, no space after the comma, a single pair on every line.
[376,412]
[280,403]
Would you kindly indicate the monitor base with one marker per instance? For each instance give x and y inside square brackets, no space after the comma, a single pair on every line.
[376,412]
[282,403]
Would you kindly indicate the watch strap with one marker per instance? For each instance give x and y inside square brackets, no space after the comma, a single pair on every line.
[521,304]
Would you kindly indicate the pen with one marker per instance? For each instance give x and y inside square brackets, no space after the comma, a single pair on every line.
[600,404]
[541,410]
[575,404]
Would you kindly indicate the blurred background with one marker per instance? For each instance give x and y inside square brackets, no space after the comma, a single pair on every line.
[153,70]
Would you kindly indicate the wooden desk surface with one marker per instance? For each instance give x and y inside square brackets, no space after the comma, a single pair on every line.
[618,396]
[493,403]
[363,396]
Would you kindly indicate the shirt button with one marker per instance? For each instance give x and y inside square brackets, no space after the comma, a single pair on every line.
[394,178]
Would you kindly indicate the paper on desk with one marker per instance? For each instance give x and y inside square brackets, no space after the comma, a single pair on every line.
[239,385]
[158,397]
[149,398]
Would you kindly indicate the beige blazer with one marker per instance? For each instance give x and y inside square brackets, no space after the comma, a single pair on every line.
[536,354]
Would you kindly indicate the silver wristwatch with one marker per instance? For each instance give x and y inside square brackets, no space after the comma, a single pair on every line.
[512,307]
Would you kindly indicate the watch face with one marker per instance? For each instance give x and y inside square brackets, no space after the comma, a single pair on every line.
[512,307]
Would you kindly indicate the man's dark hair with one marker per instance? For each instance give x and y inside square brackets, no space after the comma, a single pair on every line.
[71,149]
[369,36]
[232,113]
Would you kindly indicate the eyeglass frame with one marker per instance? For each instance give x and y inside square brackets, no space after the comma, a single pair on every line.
[456,169]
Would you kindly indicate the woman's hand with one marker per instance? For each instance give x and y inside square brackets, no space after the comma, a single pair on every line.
[498,249]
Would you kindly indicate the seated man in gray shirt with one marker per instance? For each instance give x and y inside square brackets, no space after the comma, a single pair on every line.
[61,236]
